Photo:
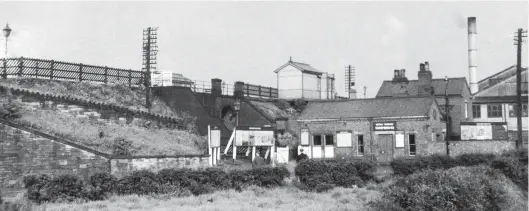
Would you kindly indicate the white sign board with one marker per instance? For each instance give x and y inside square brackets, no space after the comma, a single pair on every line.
[304,137]
[282,154]
[254,137]
[215,138]
[344,139]
[399,140]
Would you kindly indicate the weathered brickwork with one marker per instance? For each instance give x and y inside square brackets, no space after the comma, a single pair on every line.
[481,146]
[22,152]
[121,167]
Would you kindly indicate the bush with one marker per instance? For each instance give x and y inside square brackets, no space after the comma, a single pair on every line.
[10,106]
[345,174]
[139,182]
[520,154]
[102,186]
[460,188]
[513,169]
[122,147]
[409,166]
[35,185]
[474,159]
[65,187]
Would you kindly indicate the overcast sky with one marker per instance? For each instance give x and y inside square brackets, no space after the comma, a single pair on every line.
[247,41]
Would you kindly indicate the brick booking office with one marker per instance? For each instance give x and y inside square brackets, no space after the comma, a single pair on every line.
[381,129]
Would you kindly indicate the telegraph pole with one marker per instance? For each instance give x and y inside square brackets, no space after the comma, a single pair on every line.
[150,50]
[519,39]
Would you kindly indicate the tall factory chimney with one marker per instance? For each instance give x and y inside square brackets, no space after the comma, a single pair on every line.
[472,52]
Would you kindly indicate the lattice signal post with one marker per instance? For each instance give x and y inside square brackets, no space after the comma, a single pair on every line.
[150,50]
[349,80]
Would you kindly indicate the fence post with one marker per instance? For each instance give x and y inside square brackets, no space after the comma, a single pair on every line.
[4,71]
[130,78]
[270,89]
[260,91]
[80,72]
[106,74]
[51,69]
[247,90]
[20,66]
[37,69]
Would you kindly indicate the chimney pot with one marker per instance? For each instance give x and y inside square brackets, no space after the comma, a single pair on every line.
[421,67]
[426,66]
[397,74]
[403,73]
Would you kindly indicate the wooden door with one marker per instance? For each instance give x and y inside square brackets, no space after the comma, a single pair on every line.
[385,149]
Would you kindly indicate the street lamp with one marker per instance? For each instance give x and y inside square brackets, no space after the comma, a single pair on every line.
[7,32]
[447,118]
[237,108]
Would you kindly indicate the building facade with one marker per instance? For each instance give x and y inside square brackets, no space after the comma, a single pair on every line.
[301,81]
[381,129]
[456,89]
[496,101]
[168,78]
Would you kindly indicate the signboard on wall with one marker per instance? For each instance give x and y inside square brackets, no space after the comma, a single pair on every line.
[305,137]
[384,126]
[484,131]
[399,139]
[344,139]
[254,136]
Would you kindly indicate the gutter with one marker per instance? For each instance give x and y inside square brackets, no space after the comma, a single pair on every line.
[360,118]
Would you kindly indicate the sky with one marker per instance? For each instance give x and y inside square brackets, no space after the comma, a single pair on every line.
[247,41]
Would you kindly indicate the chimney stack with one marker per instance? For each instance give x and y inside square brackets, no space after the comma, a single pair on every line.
[403,73]
[397,74]
[472,51]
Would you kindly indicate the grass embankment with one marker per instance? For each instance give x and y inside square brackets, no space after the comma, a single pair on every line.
[144,141]
[117,94]
[253,198]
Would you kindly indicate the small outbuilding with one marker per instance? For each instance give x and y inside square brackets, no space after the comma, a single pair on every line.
[381,129]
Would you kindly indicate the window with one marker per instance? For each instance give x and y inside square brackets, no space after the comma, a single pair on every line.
[360,139]
[512,110]
[329,140]
[494,110]
[476,111]
[317,140]
[466,110]
[411,143]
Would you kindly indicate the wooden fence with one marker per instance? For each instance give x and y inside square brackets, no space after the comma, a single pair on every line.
[258,91]
[50,69]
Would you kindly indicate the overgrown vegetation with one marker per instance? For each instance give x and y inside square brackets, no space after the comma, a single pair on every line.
[323,175]
[117,94]
[459,188]
[10,106]
[42,188]
[135,140]
[286,139]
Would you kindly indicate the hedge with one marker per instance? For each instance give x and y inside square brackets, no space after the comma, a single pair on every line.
[42,188]
[460,188]
[312,173]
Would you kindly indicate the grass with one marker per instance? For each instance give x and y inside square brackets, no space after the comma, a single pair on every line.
[118,94]
[144,141]
[253,198]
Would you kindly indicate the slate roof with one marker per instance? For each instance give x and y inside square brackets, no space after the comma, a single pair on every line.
[498,77]
[504,86]
[364,108]
[306,68]
[456,86]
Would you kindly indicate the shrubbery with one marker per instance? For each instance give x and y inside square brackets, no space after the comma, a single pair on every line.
[460,188]
[67,187]
[346,174]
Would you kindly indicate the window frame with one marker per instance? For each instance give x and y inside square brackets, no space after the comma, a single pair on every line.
[498,110]
[314,139]
[476,114]
[414,144]
[324,141]
[360,146]
[512,110]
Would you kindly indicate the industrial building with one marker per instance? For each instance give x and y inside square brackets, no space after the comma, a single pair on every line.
[169,78]
[297,80]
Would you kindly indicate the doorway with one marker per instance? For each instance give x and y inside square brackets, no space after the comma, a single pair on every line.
[385,149]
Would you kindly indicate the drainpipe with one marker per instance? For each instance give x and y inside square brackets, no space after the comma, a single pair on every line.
[372,138]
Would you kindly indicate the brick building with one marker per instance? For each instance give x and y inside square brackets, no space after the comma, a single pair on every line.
[381,129]
[457,89]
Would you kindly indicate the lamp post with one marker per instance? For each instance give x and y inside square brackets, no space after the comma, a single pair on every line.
[7,32]
[237,108]
[447,118]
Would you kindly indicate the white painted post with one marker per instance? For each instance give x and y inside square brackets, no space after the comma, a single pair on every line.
[218,153]
[253,153]
[248,152]
[214,156]
[274,156]
[234,147]
[209,145]
[229,142]
[267,151]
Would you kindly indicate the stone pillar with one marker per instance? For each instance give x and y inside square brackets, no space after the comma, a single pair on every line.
[238,91]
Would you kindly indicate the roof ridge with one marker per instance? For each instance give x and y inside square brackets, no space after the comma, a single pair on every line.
[504,70]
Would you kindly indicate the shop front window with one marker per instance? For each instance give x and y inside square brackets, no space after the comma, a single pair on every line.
[494,110]
[513,109]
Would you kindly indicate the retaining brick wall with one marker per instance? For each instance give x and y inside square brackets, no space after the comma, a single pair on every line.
[26,151]
[480,146]
[23,152]
[124,166]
